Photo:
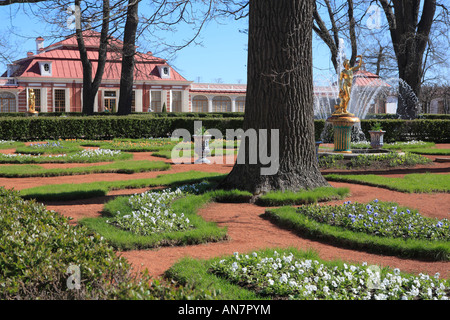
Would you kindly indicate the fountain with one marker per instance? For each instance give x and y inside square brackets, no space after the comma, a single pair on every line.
[341,118]
[356,98]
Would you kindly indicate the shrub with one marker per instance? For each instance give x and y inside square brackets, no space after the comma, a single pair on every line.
[39,245]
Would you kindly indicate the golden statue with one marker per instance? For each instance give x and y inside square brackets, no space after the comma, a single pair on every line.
[345,86]
[31,101]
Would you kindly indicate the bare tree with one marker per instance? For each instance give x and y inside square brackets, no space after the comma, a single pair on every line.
[9,2]
[90,86]
[342,21]
[128,61]
[378,53]
[409,36]
[166,16]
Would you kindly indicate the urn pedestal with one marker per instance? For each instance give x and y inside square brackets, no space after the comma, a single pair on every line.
[376,139]
[201,148]
[342,127]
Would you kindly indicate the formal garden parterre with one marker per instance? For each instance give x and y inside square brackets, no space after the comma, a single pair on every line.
[166,206]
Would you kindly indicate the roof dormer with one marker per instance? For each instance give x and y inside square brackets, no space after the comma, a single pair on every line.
[46,68]
[164,72]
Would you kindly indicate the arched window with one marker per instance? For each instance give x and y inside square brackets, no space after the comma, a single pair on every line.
[7,102]
[200,104]
[240,104]
[221,104]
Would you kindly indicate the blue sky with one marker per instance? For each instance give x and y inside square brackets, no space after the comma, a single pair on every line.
[221,57]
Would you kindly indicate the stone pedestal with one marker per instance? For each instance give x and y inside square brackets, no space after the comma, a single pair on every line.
[376,139]
[201,148]
[342,127]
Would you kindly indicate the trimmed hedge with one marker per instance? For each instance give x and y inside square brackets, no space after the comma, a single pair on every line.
[437,130]
[142,126]
[393,116]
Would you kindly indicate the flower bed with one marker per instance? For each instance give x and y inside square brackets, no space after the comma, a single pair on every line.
[391,159]
[374,227]
[380,219]
[283,275]
[167,217]
[84,156]
[49,147]
[152,213]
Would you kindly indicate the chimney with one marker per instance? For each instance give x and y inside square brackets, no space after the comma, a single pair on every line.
[149,53]
[39,44]
[29,54]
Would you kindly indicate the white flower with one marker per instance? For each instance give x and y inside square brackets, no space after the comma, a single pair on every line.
[283,278]
[326,290]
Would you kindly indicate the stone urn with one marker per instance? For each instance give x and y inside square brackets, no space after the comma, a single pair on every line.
[201,148]
[376,138]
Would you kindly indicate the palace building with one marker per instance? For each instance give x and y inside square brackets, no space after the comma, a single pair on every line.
[55,75]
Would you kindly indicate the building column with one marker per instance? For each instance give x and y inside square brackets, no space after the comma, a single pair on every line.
[44,100]
[233,104]
[185,101]
[138,100]
[96,100]
[67,98]
[210,104]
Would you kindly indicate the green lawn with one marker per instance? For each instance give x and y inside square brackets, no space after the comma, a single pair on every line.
[75,191]
[411,183]
[279,198]
[431,151]
[31,170]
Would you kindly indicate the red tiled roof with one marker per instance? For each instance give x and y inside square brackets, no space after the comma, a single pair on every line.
[91,40]
[66,63]
[366,78]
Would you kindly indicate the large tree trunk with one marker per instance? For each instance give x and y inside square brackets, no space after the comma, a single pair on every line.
[129,51]
[280,96]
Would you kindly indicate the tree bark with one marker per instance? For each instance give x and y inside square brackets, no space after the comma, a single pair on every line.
[128,62]
[279,96]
